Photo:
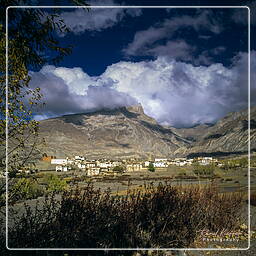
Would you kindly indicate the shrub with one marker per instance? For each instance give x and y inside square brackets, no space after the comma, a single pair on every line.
[151,167]
[253,199]
[162,216]
[119,168]
[26,188]
[54,183]
[204,170]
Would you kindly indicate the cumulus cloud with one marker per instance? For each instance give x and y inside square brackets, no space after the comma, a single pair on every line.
[207,57]
[146,41]
[177,49]
[97,19]
[58,87]
[174,93]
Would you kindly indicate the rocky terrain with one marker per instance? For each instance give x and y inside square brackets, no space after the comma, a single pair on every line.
[228,135]
[119,133]
[128,132]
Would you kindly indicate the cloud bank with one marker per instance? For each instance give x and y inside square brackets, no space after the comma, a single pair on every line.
[174,93]
[97,19]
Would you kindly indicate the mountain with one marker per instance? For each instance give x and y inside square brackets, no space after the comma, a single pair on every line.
[228,136]
[117,133]
[128,132]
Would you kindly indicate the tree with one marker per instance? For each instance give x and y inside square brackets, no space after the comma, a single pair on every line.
[151,167]
[32,42]
[119,168]
[55,184]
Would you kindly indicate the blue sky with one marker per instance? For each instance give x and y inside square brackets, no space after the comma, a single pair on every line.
[108,45]
[185,66]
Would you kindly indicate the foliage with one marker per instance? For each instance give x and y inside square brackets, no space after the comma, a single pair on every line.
[32,42]
[54,183]
[204,170]
[253,161]
[26,188]
[151,167]
[253,198]
[234,163]
[162,216]
[119,168]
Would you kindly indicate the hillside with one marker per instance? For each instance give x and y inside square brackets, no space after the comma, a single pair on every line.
[129,132]
[118,133]
[228,135]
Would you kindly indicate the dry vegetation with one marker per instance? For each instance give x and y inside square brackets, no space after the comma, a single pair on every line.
[158,216]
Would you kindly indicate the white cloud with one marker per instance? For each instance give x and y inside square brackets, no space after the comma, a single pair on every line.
[96,19]
[144,40]
[177,49]
[206,57]
[172,92]
[69,91]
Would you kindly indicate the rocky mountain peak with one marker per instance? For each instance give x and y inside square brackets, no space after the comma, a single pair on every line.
[136,109]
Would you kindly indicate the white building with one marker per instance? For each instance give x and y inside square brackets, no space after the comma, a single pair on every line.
[91,164]
[81,158]
[105,165]
[59,161]
[60,168]
[93,171]
[147,164]
[205,160]
[81,166]
[160,160]
[160,164]
[180,163]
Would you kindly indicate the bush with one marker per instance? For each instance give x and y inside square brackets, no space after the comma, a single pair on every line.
[151,167]
[26,188]
[234,163]
[119,168]
[54,183]
[162,216]
[253,199]
[204,170]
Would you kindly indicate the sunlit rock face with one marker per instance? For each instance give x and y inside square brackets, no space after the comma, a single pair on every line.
[118,133]
[128,132]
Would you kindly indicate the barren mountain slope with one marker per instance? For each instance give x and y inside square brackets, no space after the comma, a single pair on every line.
[123,132]
[229,134]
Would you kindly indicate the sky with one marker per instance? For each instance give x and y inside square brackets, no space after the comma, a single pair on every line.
[185,66]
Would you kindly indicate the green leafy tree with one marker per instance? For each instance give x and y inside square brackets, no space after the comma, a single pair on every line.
[55,184]
[32,42]
[119,168]
[151,167]
[27,188]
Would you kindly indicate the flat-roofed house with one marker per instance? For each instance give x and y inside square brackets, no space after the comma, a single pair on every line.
[61,168]
[90,164]
[93,171]
[59,161]
[160,164]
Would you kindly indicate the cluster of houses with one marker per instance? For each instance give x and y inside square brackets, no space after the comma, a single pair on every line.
[94,167]
[106,166]
[164,162]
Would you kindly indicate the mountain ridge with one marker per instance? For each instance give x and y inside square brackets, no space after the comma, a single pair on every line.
[128,132]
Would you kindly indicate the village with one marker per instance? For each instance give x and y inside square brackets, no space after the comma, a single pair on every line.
[109,167]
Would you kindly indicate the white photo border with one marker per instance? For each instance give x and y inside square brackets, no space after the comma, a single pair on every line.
[131,249]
